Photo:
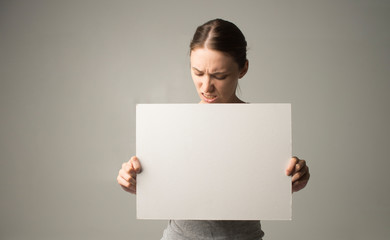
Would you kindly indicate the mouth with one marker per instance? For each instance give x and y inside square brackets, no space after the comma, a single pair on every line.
[208,98]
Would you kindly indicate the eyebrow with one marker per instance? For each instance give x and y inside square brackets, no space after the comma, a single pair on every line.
[215,73]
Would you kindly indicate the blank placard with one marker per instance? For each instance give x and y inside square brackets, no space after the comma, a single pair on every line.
[213,161]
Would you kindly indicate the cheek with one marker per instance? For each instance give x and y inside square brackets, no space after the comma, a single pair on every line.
[228,87]
[196,81]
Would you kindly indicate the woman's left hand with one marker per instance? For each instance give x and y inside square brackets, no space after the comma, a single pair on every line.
[299,172]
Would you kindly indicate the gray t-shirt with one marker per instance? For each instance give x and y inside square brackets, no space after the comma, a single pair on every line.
[212,230]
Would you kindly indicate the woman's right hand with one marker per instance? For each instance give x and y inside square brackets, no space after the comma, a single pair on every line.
[127,176]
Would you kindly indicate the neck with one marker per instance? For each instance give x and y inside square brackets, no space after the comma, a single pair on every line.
[235,99]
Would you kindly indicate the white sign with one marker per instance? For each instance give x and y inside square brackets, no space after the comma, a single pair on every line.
[213,161]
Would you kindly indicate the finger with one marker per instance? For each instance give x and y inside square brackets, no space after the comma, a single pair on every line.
[301,164]
[297,186]
[124,174]
[291,165]
[130,190]
[126,167]
[129,169]
[133,173]
[123,182]
[299,174]
[135,164]
[133,182]
[126,183]
[300,184]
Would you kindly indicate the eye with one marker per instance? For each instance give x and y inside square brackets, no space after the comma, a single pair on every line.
[198,74]
[220,77]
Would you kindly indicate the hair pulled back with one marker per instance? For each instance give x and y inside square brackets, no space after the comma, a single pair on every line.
[221,35]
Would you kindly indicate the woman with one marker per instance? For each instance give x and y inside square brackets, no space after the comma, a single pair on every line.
[218,61]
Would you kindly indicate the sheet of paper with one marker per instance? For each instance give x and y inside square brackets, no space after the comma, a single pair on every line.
[213,161]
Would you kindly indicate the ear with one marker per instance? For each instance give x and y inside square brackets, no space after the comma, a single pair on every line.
[244,70]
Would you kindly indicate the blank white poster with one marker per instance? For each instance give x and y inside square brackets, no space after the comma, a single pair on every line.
[213,161]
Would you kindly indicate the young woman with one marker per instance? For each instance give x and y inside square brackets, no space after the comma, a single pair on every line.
[218,61]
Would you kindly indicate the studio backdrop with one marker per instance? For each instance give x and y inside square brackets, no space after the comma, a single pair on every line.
[72,72]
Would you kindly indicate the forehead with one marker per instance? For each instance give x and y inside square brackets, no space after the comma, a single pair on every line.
[212,60]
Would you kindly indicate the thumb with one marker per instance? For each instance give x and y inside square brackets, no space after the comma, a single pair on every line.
[135,164]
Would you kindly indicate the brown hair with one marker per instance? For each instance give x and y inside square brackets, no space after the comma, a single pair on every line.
[221,35]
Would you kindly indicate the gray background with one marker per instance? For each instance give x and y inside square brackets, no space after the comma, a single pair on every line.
[72,71]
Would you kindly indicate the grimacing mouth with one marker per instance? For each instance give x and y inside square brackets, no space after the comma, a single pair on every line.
[208,96]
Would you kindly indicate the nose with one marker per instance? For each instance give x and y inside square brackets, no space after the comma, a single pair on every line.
[207,84]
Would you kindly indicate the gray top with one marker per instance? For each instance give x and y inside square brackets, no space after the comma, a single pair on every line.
[213,230]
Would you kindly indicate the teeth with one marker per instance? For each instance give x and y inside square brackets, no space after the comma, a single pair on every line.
[208,96]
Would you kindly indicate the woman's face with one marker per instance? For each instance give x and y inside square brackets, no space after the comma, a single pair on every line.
[215,75]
